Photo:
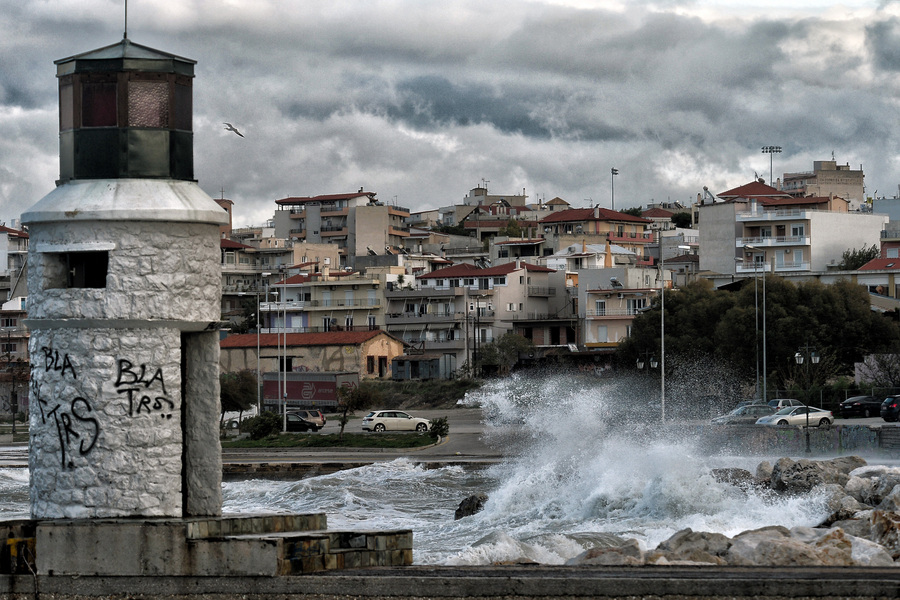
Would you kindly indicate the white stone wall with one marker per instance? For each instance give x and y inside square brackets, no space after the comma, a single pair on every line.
[106,437]
[157,271]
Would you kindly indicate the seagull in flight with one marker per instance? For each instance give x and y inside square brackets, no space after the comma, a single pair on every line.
[230,127]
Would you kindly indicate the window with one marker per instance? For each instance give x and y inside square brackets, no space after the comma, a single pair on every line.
[8,322]
[371,320]
[635,304]
[370,364]
[798,230]
[78,270]
[511,306]
[600,307]
[348,321]
[499,280]
[765,232]
[286,364]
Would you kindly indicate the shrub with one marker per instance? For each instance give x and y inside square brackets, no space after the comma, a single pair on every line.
[439,427]
[263,425]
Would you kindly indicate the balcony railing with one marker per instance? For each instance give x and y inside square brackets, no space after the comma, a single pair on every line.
[536,290]
[613,312]
[749,266]
[793,266]
[776,240]
[775,215]
[642,238]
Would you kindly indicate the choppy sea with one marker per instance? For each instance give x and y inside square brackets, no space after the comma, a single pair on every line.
[579,472]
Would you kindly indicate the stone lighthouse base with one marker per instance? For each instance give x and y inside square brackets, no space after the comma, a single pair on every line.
[264,545]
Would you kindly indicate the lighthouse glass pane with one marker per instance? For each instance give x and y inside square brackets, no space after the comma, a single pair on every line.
[183,107]
[98,104]
[66,107]
[148,104]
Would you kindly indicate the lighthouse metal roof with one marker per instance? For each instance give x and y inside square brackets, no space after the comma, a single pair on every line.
[125,56]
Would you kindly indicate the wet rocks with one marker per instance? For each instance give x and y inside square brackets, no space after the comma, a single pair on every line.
[470,506]
[862,529]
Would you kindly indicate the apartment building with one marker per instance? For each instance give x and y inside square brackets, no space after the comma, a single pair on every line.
[314,302]
[450,312]
[596,225]
[357,223]
[609,299]
[757,228]
[828,178]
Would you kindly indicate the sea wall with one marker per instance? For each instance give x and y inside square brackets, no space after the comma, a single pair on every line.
[836,440]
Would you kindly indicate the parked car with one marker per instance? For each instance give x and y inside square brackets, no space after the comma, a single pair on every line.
[312,415]
[394,420]
[299,420]
[796,415]
[779,403]
[860,406]
[890,408]
[743,415]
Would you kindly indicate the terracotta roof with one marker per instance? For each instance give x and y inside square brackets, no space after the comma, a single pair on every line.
[657,213]
[754,189]
[882,264]
[467,270]
[10,230]
[557,200]
[323,198]
[795,201]
[225,243]
[329,338]
[590,214]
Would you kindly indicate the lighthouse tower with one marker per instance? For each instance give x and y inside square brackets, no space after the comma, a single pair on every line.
[124,293]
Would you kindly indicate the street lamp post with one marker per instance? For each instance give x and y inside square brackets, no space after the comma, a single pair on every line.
[771,151]
[612,181]
[648,359]
[802,353]
[756,306]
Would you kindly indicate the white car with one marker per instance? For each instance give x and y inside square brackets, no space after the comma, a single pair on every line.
[796,415]
[394,420]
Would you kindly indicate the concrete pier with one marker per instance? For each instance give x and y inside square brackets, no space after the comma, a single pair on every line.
[449,583]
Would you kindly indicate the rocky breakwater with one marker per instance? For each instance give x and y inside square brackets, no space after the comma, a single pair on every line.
[862,529]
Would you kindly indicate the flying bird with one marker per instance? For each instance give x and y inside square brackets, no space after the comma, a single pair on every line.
[230,127]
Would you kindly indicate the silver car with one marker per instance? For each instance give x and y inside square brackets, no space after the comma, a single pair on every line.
[796,415]
[744,415]
[394,420]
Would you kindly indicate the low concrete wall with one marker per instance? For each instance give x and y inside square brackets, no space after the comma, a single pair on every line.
[790,441]
[515,581]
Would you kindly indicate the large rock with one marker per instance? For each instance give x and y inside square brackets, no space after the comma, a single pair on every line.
[886,531]
[743,549]
[629,553]
[470,506]
[693,546]
[803,475]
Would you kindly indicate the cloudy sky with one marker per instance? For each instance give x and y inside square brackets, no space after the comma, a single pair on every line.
[420,101]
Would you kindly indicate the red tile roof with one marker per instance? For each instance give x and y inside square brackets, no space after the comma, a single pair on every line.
[588,214]
[467,270]
[657,213]
[754,189]
[882,264]
[11,231]
[329,338]
[225,243]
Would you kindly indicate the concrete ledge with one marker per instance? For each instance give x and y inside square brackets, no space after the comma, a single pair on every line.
[672,582]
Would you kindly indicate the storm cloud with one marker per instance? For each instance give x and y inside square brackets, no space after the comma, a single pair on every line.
[421,101]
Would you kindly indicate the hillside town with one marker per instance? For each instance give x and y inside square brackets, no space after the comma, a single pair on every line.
[345,283]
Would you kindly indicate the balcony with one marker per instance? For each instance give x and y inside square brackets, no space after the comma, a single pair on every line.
[774,215]
[750,267]
[536,290]
[614,313]
[792,266]
[416,318]
[633,238]
[772,241]
[890,235]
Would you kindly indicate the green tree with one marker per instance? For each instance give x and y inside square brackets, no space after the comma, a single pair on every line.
[682,220]
[853,259]
[634,211]
[512,229]
[351,399]
[502,354]
[237,392]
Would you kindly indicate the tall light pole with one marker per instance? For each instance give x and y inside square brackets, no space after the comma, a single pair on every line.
[750,249]
[804,352]
[771,151]
[612,181]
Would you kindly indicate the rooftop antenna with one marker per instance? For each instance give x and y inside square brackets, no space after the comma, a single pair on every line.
[125,35]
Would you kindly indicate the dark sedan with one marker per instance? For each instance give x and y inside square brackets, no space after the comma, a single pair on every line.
[890,408]
[860,406]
